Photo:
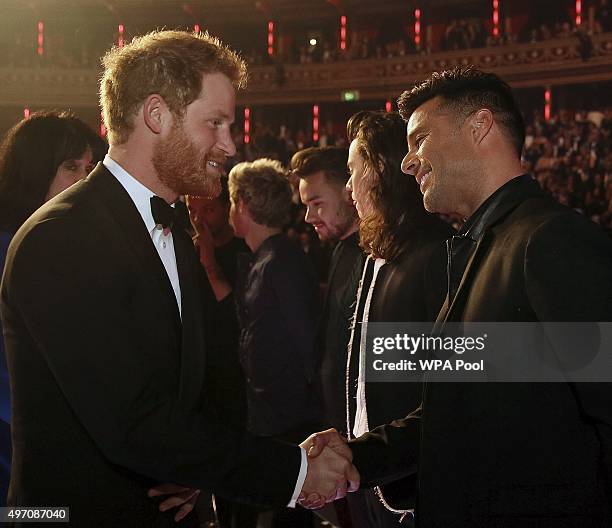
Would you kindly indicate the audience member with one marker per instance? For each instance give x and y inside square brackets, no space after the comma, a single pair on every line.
[403,280]
[275,295]
[39,158]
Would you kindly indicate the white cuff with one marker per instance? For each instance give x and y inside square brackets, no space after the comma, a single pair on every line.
[300,480]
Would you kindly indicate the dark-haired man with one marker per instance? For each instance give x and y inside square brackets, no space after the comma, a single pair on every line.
[329,209]
[505,454]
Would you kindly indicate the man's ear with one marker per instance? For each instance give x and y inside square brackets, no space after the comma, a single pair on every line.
[156,113]
[480,125]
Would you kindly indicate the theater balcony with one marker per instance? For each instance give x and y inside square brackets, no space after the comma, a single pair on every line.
[541,64]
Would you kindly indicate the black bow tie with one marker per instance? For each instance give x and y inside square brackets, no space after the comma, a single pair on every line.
[168,216]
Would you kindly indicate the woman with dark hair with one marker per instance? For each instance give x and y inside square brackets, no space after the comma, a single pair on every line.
[39,158]
[404,280]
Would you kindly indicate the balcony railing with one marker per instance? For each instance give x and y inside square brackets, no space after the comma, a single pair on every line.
[546,63]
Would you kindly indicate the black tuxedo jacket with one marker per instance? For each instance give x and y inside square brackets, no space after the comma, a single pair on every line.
[513,455]
[107,380]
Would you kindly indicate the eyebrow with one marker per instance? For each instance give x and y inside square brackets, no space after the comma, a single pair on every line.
[415,132]
[313,198]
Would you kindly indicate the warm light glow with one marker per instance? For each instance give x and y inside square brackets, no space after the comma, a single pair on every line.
[388,106]
[247,125]
[313,41]
[578,12]
[315,123]
[270,38]
[196,28]
[343,32]
[41,38]
[26,112]
[417,27]
[120,40]
[496,18]
[547,104]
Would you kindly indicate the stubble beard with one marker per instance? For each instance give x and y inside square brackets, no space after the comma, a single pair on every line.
[344,219]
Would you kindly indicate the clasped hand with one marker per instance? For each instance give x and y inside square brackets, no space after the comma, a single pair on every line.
[331,473]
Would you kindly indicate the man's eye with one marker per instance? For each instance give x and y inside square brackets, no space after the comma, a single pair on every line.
[70,166]
[419,141]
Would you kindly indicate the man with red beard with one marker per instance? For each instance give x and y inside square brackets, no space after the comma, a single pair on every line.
[103,323]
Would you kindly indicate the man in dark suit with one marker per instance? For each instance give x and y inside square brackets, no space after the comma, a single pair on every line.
[500,454]
[329,209]
[102,321]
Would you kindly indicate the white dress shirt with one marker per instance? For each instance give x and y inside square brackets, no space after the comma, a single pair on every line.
[164,244]
[162,238]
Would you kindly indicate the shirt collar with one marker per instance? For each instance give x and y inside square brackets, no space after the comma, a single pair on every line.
[140,195]
[474,227]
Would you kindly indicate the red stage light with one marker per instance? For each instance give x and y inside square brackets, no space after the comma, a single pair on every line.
[270,38]
[388,106]
[196,28]
[417,27]
[315,123]
[496,18]
[578,12]
[342,32]
[120,40]
[26,113]
[547,103]
[41,38]
[247,125]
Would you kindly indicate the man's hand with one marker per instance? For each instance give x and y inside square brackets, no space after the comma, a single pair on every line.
[331,438]
[186,498]
[329,470]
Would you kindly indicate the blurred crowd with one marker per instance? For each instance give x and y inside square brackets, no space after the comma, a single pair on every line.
[83,49]
[571,156]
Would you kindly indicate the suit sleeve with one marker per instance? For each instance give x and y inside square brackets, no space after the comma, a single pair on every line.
[568,277]
[389,452]
[130,409]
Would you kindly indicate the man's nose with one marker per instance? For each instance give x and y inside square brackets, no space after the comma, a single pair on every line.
[410,165]
[226,143]
[308,218]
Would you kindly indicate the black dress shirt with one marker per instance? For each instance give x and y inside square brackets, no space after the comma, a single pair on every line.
[275,294]
[461,246]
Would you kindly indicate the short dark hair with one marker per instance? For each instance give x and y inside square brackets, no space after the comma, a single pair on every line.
[466,90]
[331,160]
[30,155]
[396,199]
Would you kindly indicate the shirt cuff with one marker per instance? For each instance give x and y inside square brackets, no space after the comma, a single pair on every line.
[300,480]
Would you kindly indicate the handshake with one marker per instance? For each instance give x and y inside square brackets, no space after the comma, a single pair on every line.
[330,476]
[331,473]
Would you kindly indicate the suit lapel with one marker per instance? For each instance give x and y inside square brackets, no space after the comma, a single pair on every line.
[471,268]
[192,338]
[129,225]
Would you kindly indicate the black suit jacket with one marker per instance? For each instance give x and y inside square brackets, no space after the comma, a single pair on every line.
[106,379]
[513,455]
[409,288]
